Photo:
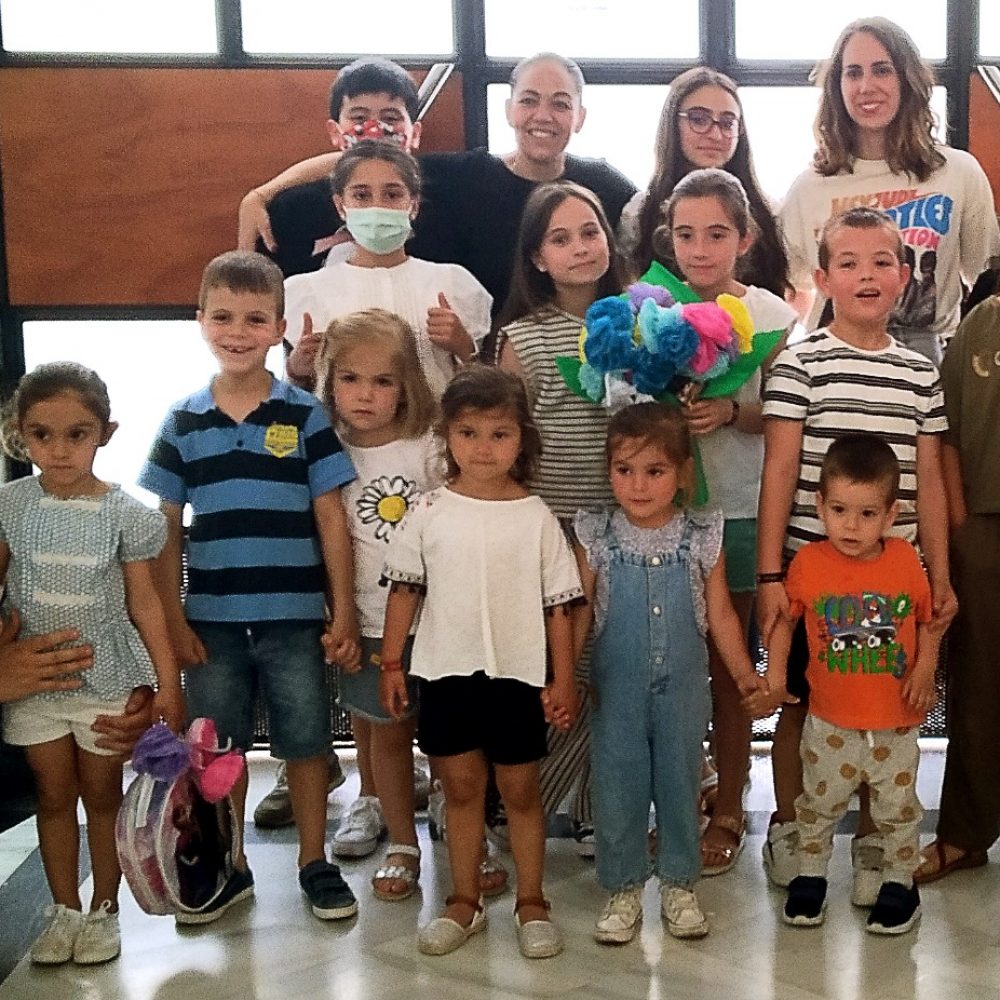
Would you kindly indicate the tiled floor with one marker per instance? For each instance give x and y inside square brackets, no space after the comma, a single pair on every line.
[275,949]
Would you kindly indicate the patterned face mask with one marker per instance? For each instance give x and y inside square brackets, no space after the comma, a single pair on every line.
[372,129]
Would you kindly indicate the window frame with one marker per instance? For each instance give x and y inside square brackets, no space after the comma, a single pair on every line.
[717,48]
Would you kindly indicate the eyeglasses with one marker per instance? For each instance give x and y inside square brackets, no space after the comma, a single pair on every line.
[701,120]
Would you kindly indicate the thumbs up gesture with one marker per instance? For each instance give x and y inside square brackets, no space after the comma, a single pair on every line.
[447,331]
[301,363]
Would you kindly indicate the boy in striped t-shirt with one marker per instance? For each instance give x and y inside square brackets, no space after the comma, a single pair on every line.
[850,376]
[261,467]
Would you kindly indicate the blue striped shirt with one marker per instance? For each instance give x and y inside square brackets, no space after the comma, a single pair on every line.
[253,549]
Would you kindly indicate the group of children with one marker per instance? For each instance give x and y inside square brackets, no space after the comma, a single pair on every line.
[458,537]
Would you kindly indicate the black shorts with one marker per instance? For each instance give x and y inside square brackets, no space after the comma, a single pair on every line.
[798,660]
[501,717]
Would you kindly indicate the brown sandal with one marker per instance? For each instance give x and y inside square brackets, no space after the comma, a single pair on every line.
[937,866]
[729,855]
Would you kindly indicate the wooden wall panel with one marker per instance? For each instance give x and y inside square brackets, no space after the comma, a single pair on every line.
[984,132]
[119,184]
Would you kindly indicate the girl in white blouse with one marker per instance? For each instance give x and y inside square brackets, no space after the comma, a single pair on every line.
[496,577]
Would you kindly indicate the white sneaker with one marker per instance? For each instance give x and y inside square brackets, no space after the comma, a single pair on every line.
[361,830]
[55,944]
[621,918]
[682,912]
[867,859]
[780,850]
[100,939]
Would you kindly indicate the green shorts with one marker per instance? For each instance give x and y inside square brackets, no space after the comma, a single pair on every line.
[739,542]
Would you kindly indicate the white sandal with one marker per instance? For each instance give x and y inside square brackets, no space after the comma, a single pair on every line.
[398,872]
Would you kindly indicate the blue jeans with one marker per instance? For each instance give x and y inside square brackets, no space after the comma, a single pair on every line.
[284,659]
[650,674]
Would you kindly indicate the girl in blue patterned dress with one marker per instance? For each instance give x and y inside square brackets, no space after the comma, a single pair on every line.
[76,552]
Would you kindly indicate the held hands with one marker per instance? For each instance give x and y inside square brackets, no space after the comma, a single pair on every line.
[560,703]
[254,221]
[301,363]
[341,643]
[393,694]
[761,702]
[447,331]
[707,415]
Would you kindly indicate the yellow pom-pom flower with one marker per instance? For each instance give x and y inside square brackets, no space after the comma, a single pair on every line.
[742,324]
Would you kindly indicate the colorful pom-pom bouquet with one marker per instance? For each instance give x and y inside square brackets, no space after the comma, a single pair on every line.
[660,341]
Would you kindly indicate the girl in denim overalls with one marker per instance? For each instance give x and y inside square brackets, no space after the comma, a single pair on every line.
[654,575]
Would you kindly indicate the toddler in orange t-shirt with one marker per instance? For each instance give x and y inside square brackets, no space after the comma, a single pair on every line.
[872,654]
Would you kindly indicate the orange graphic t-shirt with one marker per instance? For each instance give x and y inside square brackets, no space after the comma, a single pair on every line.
[861,622]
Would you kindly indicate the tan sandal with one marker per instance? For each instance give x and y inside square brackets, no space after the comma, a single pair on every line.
[399,872]
[443,934]
[724,857]
[537,938]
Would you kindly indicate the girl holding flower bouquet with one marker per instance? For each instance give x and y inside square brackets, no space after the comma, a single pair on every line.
[565,259]
[707,228]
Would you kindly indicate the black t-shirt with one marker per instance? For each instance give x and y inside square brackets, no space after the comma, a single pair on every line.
[470,214]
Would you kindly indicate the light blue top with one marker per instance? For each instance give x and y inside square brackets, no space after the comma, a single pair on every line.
[65,571]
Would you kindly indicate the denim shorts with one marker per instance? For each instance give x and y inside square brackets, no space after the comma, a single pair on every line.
[285,661]
[358,692]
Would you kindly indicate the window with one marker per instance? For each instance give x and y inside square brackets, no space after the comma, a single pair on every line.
[302,27]
[606,29]
[129,26]
[620,126]
[989,29]
[790,29]
[123,353]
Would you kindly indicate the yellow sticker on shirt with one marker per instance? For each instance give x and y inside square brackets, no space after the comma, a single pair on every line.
[281,439]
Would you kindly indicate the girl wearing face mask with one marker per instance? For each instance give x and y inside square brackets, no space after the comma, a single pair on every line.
[376,190]
[702,125]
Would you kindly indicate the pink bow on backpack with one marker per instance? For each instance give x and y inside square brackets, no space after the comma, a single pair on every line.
[165,757]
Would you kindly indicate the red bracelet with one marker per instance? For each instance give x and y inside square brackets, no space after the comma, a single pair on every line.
[390,666]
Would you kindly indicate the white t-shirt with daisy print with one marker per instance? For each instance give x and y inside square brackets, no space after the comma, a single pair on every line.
[390,477]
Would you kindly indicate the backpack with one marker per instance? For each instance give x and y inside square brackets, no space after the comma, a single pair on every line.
[177,832]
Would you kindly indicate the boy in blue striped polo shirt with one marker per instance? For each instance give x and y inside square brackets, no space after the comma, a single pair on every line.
[261,468]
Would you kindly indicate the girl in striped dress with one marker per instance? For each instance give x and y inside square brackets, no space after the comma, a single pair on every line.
[564,261]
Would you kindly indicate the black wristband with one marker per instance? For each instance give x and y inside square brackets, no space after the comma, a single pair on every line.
[778,577]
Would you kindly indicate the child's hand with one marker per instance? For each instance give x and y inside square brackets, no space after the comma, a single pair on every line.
[393,694]
[342,644]
[708,415]
[447,331]
[919,692]
[188,648]
[301,363]
[169,704]
[560,703]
